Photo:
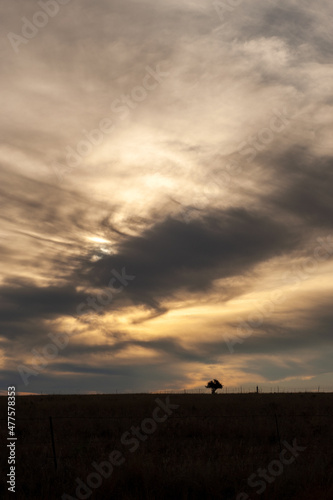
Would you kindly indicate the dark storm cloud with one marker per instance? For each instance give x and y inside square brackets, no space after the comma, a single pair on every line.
[26,301]
[105,379]
[174,255]
[169,349]
[303,187]
[167,258]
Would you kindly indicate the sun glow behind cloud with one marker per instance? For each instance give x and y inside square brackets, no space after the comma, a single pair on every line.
[96,239]
[213,209]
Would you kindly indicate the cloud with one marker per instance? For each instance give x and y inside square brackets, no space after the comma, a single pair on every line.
[206,228]
[174,255]
[302,187]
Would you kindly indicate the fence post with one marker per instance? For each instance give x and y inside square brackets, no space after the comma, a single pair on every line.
[278,430]
[53,444]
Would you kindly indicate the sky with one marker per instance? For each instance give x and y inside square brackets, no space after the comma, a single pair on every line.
[166,204]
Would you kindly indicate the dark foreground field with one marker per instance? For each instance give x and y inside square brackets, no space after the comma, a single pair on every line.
[207,447]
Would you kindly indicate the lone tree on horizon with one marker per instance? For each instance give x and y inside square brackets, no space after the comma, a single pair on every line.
[214,385]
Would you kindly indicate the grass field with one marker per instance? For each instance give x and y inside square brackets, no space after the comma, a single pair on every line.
[207,447]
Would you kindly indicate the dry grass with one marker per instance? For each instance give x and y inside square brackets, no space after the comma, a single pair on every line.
[207,449]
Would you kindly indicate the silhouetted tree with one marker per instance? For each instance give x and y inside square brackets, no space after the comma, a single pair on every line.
[214,385]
